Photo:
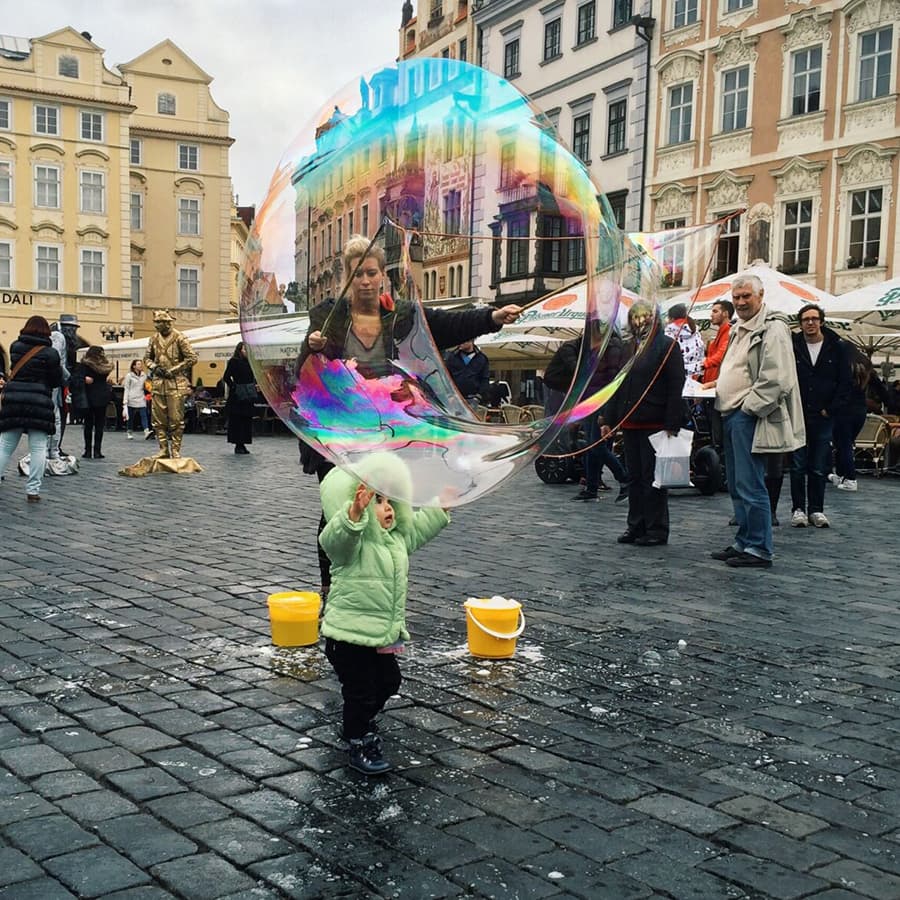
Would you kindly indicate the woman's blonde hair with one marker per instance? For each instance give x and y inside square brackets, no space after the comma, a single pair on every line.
[359,247]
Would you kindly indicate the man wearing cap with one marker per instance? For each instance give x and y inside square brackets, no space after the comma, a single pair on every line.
[168,359]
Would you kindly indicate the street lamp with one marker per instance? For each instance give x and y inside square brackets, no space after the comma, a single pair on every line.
[116,333]
[644,25]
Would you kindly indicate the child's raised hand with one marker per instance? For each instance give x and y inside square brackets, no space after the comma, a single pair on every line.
[362,499]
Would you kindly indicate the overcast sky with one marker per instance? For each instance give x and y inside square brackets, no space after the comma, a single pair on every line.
[274,63]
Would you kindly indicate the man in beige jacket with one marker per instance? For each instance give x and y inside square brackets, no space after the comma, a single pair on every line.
[759,399]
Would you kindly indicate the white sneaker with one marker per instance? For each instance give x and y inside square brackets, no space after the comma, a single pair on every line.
[129,435]
[798,519]
[820,520]
[848,484]
[835,479]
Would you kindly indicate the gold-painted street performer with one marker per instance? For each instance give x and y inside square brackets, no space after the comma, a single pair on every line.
[168,359]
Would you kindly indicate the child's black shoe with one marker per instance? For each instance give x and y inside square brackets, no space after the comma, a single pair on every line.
[365,755]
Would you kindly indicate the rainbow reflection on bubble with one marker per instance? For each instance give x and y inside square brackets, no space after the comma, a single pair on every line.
[463,184]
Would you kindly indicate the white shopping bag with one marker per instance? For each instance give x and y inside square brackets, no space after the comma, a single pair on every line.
[673,458]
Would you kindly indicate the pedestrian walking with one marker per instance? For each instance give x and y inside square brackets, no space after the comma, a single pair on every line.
[92,392]
[239,407]
[133,403]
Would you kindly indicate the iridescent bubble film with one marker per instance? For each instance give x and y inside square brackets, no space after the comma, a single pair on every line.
[454,177]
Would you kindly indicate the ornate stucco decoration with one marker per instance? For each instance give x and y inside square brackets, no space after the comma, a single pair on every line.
[735,50]
[727,191]
[798,177]
[682,65]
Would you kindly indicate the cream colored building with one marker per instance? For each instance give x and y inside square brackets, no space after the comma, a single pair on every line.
[788,111]
[115,197]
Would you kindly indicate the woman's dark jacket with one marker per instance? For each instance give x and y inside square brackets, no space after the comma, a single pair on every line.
[448,328]
[825,385]
[657,369]
[561,369]
[89,396]
[238,371]
[26,399]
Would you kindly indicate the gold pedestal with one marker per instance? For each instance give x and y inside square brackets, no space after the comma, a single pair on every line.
[150,465]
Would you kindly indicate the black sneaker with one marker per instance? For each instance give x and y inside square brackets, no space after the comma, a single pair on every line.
[627,537]
[365,756]
[624,487]
[602,486]
[748,561]
[726,554]
[586,495]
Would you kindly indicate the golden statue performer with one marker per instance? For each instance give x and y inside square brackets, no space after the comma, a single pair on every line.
[168,359]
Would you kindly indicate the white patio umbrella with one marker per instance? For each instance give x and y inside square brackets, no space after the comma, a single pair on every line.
[507,343]
[874,304]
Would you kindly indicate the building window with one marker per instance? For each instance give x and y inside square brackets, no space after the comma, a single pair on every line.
[552,39]
[67,66]
[350,218]
[188,216]
[672,256]
[875,63]
[364,219]
[5,114]
[735,5]
[728,248]
[91,126]
[165,104]
[552,244]
[93,192]
[47,268]
[621,13]
[575,248]
[188,287]
[136,152]
[463,49]
[6,182]
[587,23]
[46,119]
[685,13]
[615,128]
[807,81]
[865,227]
[137,283]
[92,271]
[137,211]
[507,164]
[188,157]
[437,9]
[517,252]
[616,202]
[735,91]
[797,237]
[46,187]
[452,212]
[581,137]
[511,59]
[5,264]
[681,105]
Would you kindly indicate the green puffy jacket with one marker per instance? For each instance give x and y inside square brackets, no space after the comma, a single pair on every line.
[369,564]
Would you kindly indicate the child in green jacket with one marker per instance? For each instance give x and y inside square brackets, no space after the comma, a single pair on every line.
[368,539]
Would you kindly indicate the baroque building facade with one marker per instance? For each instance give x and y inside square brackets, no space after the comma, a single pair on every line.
[115,197]
[786,113]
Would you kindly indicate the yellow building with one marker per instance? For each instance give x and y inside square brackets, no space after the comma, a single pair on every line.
[787,111]
[115,197]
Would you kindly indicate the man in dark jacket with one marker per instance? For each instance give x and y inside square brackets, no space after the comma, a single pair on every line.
[470,370]
[647,401]
[824,377]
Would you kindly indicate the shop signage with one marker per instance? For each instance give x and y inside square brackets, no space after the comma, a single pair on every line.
[15,299]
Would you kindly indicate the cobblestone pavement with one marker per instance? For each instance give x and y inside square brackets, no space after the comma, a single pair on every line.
[154,744]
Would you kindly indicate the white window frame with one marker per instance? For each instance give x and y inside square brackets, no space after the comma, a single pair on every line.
[189,211]
[688,13]
[48,108]
[733,6]
[669,108]
[883,219]
[165,100]
[136,205]
[792,80]
[6,107]
[97,260]
[7,192]
[184,153]
[48,262]
[136,278]
[811,225]
[57,182]
[135,152]
[7,263]
[187,285]
[93,118]
[672,254]
[892,62]
[736,91]
[84,188]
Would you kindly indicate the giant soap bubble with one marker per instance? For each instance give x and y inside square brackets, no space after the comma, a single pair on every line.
[461,184]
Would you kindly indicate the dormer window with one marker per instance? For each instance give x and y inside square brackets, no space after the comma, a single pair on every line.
[68,66]
[165,104]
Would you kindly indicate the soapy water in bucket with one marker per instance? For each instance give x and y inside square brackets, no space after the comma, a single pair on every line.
[443,150]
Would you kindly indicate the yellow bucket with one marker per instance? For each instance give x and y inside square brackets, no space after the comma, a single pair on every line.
[294,616]
[492,626]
